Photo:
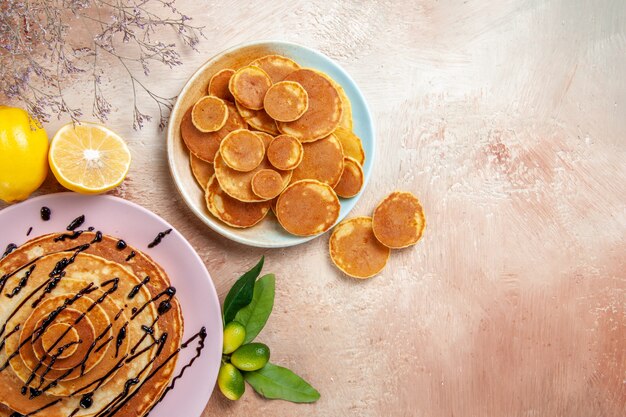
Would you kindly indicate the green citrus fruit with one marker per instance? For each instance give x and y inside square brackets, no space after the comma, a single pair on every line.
[251,357]
[234,335]
[230,381]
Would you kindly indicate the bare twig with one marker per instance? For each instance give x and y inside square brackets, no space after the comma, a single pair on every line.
[37,62]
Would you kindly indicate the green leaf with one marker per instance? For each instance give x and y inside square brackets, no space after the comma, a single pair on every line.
[240,295]
[255,315]
[276,382]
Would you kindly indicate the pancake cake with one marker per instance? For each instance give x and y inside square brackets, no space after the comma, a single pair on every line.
[89,326]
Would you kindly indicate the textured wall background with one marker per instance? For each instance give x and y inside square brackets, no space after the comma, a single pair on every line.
[508,119]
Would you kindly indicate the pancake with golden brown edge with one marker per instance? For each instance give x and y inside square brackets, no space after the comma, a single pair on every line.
[322,161]
[398,220]
[307,207]
[248,85]
[231,211]
[286,101]
[258,119]
[218,85]
[267,184]
[134,262]
[351,144]
[355,250]
[346,114]
[201,170]
[276,66]
[209,114]
[324,111]
[285,152]
[205,144]
[351,180]
[242,150]
[238,184]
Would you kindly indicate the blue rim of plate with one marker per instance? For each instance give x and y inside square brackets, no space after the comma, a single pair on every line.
[363,127]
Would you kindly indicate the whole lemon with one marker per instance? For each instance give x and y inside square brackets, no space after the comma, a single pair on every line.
[23,154]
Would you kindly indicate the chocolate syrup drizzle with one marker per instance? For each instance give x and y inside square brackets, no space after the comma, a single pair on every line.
[158,238]
[10,248]
[76,223]
[45,213]
[87,391]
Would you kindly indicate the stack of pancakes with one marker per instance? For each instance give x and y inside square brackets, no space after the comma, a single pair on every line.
[88,327]
[271,135]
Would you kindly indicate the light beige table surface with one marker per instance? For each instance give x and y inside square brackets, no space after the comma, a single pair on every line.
[508,120]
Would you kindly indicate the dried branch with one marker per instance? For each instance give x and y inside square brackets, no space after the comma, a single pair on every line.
[38,62]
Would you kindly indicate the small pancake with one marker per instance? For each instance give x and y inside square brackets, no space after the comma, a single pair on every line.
[267,184]
[322,161]
[351,144]
[266,138]
[351,180]
[258,119]
[205,144]
[201,170]
[285,152]
[238,184]
[346,114]
[355,250]
[286,101]
[276,66]
[307,208]
[233,212]
[398,220]
[242,150]
[248,85]
[209,114]
[324,112]
[218,85]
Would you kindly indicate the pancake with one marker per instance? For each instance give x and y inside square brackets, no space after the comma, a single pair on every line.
[324,111]
[209,114]
[398,220]
[286,101]
[355,250]
[233,212]
[266,138]
[307,208]
[205,145]
[258,119]
[242,150]
[285,152]
[218,85]
[248,85]
[201,170]
[351,144]
[267,184]
[322,161]
[79,260]
[346,115]
[238,184]
[276,66]
[351,180]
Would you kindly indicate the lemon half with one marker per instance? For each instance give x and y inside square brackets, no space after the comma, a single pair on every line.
[88,158]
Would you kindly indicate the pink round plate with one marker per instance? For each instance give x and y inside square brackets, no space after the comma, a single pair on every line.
[138,227]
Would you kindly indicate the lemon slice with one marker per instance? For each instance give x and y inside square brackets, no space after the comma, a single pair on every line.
[88,158]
